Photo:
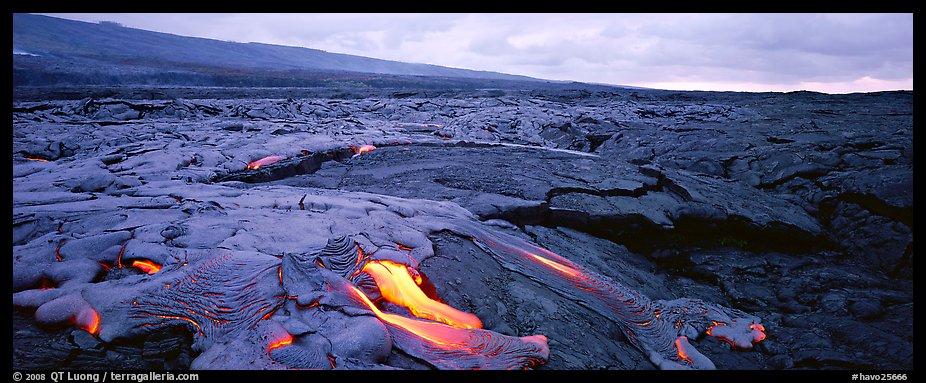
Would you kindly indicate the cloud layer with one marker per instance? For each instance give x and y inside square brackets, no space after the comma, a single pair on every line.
[834,53]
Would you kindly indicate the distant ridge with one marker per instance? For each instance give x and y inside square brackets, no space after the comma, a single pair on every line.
[49,50]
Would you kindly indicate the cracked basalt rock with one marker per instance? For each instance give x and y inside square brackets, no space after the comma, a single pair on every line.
[667,227]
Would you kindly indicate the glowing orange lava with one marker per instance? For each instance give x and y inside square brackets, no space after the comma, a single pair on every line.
[559,267]
[146,266]
[759,332]
[89,320]
[721,331]
[416,276]
[264,161]
[287,340]
[437,333]
[552,256]
[358,150]
[36,159]
[681,349]
[399,286]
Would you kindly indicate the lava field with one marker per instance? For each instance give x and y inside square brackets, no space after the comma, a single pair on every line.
[250,228]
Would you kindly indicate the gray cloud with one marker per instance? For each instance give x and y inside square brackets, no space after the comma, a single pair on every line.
[832,52]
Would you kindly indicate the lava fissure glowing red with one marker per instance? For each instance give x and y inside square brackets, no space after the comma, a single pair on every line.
[121,252]
[58,251]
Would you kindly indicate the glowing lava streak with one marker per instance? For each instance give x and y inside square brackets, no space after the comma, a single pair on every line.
[358,150]
[437,333]
[58,251]
[264,161]
[147,266]
[397,285]
[89,320]
[652,326]
[36,159]
[447,347]
[559,267]
[682,350]
[280,343]
[758,332]
[738,335]
[178,317]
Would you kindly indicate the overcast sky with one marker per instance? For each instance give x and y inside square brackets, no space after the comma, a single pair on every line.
[834,53]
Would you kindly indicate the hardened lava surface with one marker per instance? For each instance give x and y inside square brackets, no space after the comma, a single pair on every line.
[219,228]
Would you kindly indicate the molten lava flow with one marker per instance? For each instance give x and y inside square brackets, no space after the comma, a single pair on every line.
[398,286]
[358,150]
[758,332]
[447,347]
[36,159]
[559,267]
[738,335]
[549,259]
[651,326]
[681,350]
[416,276]
[264,161]
[146,266]
[89,320]
[287,340]
[437,333]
